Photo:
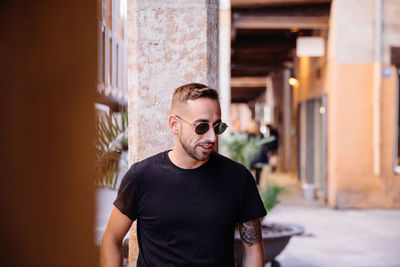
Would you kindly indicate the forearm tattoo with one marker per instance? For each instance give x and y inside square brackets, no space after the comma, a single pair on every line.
[250,232]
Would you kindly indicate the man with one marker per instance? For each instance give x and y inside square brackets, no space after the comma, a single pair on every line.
[271,148]
[188,200]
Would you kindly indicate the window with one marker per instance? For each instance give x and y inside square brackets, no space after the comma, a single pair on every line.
[112,63]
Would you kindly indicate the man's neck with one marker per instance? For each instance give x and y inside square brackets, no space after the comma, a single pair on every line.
[184,161]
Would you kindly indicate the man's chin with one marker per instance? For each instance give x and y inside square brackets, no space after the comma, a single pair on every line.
[199,156]
[203,156]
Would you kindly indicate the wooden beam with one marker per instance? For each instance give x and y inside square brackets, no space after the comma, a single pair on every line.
[245,94]
[250,50]
[261,59]
[238,70]
[283,22]
[257,3]
[249,81]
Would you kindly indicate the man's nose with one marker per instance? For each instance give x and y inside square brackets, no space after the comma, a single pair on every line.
[210,135]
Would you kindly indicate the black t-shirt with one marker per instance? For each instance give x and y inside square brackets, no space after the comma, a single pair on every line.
[186,217]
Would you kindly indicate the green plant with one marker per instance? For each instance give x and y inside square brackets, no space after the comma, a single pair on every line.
[270,197]
[111,143]
[244,148]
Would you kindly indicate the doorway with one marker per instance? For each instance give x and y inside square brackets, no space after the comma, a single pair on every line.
[312,132]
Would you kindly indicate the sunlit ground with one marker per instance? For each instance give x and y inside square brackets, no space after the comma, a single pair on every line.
[334,237]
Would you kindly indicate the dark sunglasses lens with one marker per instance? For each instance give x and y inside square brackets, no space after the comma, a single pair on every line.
[220,128]
[202,128]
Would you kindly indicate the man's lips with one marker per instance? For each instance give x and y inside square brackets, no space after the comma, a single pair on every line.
[207,146]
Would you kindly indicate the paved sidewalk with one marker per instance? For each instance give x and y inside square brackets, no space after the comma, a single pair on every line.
[335,237]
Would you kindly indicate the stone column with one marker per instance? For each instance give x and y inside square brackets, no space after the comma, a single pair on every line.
[225,63]
[287,116]
[170,43]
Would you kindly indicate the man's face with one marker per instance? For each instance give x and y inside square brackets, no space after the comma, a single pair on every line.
[196,146]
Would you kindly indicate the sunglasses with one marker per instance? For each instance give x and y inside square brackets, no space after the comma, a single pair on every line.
[203,127]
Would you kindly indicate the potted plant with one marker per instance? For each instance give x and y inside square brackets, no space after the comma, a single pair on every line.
[111,148]
[244,148]
[111,163]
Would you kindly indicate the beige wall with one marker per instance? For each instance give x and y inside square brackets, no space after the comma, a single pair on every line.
[349,84]
[310,72]
[351,180]
[347,77]
[350,150]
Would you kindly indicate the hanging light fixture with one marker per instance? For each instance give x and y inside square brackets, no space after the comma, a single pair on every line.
[293,81]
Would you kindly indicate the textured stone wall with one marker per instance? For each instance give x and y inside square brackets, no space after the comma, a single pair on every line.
[170,43]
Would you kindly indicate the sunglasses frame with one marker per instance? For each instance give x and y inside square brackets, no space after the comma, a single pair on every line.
[199,132]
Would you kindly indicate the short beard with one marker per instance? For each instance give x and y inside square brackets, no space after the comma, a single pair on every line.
[191,152]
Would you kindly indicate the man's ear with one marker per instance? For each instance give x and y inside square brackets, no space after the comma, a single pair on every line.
[173,124]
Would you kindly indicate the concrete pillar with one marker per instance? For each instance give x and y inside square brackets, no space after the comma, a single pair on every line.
[225,62]
[287,117]
[270,100]
[170,43]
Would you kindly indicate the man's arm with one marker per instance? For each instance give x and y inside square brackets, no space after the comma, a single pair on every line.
[253,252]
[110,250]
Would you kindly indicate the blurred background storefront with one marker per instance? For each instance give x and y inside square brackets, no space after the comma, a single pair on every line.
[324,73]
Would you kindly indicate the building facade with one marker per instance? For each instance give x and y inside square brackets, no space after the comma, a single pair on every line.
[347,108]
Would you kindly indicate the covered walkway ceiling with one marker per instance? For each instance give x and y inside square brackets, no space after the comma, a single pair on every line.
[264,34]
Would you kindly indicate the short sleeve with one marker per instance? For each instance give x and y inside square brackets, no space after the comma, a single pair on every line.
[126,200]
[251,206]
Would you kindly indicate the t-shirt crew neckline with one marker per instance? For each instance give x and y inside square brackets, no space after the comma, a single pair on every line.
[169,161]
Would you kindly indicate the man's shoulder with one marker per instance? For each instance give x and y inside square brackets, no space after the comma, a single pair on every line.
[148,164]
[139,172]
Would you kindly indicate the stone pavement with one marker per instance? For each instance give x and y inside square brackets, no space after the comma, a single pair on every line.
[334,237]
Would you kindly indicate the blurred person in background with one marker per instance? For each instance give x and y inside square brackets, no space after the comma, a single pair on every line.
[267,153]
[261,157]
[253,129]
[271,148]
